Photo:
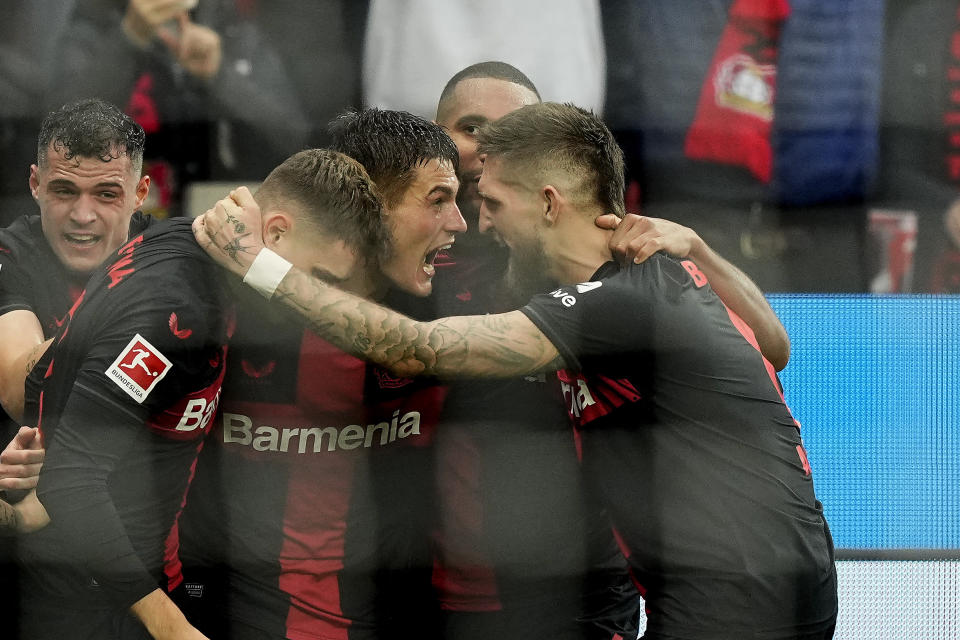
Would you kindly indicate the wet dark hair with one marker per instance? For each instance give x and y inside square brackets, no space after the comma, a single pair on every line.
[391,145]
[549,137]
[331,192]
[490,69]
[91,128]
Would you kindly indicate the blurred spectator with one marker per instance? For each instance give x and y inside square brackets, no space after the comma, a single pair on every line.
[28,35]
[920,141]
[413,47]
[225,91]
[735,113]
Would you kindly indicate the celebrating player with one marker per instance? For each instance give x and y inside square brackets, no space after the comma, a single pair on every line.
[682,424]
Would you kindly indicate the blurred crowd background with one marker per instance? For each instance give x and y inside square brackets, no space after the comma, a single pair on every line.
[814,143]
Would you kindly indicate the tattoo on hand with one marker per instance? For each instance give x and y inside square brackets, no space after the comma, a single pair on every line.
[238,227]
[233,248]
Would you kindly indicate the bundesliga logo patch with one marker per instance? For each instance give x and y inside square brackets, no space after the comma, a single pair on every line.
[138,368]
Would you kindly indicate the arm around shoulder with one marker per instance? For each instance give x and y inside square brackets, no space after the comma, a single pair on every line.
[744,297]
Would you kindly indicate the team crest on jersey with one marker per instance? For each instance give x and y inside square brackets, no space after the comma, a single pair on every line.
[138,368]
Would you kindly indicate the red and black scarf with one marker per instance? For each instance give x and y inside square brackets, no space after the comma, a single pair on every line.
[735,111]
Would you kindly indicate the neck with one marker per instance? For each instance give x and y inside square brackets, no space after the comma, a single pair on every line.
[369,284]
[579,250]
[378,287]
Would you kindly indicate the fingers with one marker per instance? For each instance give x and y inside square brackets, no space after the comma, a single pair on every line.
[24,476]
[243,197]
[634,240]
[200,230]
[21,461]
[27,438]
[170,38]
[644,247]
[607,221]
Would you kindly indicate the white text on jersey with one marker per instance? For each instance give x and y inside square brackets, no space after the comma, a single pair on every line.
[239,429]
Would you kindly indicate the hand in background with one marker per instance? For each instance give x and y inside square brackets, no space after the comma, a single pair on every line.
[197,48]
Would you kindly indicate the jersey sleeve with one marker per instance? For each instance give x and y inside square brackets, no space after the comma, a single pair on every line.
[593,319]
[15,284]
[144,362]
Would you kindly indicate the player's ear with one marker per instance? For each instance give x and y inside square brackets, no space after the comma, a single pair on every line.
[142,190]
[276,229]
[551,203]
[35,181]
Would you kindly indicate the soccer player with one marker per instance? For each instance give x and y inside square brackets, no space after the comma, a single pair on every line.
[129,390]
[312,510]
[682,427]
[522,549]
[88,186]
[516,530]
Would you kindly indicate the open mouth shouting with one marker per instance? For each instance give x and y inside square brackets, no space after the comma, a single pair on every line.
[437,255]
[81,240]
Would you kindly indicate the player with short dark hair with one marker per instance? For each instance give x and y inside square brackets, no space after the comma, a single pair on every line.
[313,507]
[681,422]
[126,392]
[522,549]
[490,69]
[91,128]
[129,391]
[88,185]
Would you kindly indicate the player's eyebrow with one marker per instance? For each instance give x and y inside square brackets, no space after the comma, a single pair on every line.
[63,182]
[486,196]
[441,188]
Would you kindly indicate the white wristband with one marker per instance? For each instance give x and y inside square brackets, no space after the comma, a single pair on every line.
[266,272]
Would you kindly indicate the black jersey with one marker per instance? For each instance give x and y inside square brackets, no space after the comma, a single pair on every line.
[129,388]
[685,433]
[520,538]
[33,279]
[311,511]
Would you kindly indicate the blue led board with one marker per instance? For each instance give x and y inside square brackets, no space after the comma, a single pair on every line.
[874,382]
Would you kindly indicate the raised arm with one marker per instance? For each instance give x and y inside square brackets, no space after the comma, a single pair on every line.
[503,345]
[639,237]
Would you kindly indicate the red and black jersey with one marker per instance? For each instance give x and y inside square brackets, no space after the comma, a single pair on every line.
[684,432]
[129,388]
[32,278]
[311,511]
[519,535]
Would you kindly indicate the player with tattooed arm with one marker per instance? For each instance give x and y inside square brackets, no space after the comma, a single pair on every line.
[681,422]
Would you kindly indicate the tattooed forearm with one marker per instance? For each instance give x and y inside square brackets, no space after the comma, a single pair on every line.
[34,356]
[468,346]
